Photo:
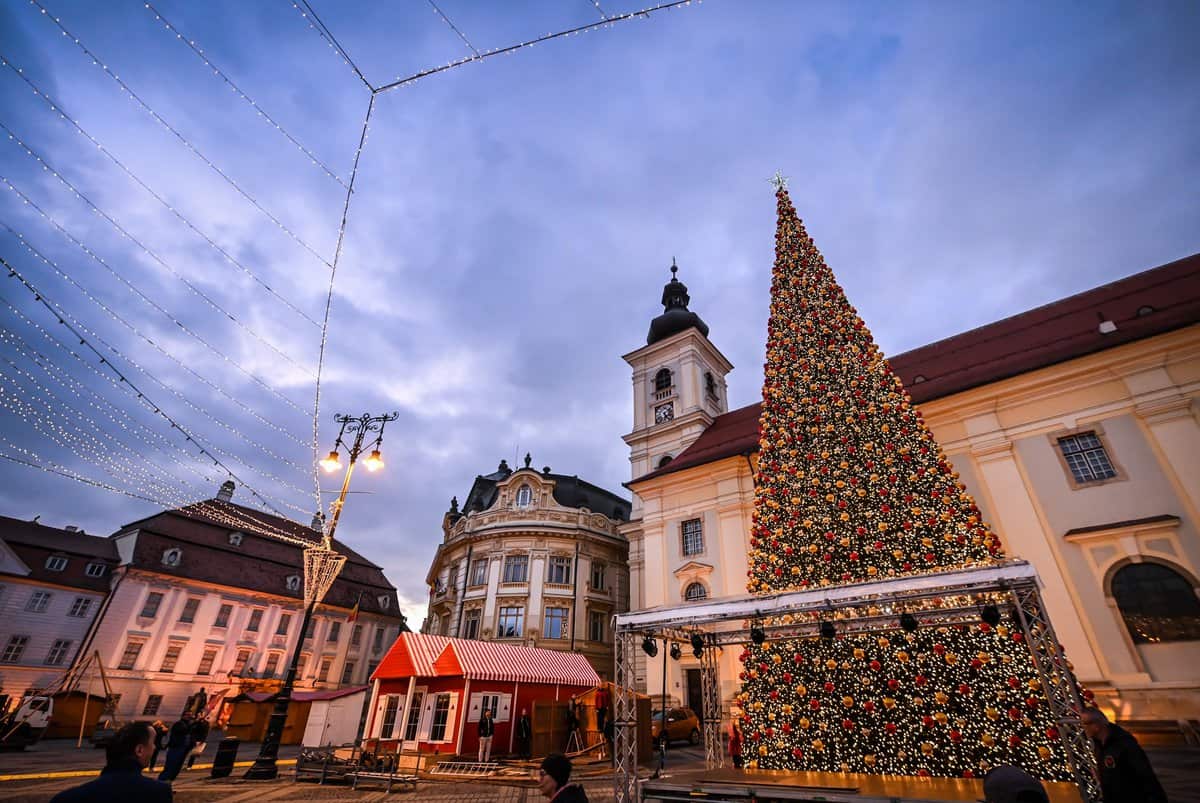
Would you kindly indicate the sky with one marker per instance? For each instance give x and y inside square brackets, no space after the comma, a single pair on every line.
[514,219]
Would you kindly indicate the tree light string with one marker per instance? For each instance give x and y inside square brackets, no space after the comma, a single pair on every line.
[454,28]
[314,22]
[47,167]
[61,313]
[608,22]
[337,256]
[191,44]
[53,308]
[54,106]
[149,301]
[122,385]
[187,143]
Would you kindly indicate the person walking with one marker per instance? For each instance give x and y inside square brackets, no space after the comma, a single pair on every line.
[198,703]
[179,742]
[601,708]
[735,738]
[1125,772]
[487,729]
[126,755]
[524,735]
[200,730]
[553,777]
[160,742]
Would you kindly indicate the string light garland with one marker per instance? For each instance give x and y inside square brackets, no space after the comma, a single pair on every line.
[54,106]
[142,295]
[62,314]
[47,167]
[217,71]
[454,28]
[184,140]
[852,488]
[314,22]
[596,3]
[62,471]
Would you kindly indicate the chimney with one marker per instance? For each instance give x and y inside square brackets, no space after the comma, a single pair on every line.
[225,494]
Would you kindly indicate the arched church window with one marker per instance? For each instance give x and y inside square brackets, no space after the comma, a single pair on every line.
[664,460]
[662,380]
[524,496]
[695,592]
[1157,603]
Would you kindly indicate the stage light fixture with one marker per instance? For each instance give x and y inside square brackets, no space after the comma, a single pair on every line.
[676,653]
[697,645]
[757,634]
[990,615]
[650,646]
[828,631]
[908,622]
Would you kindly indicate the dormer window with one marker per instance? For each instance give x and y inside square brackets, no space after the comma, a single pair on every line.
[56,563]
[662,380]
[95,570]
[235,539]
[385,601]
[172,557]
[292,582]
[524,496]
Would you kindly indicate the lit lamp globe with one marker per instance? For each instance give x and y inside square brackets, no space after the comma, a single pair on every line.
[331,462]
[374,461]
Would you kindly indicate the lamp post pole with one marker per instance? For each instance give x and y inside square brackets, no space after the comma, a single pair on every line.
[321,567]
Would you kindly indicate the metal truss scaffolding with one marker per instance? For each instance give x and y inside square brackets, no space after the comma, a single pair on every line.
[945,598]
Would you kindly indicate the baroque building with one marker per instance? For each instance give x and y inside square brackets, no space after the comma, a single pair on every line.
[533,557]
[1075,426]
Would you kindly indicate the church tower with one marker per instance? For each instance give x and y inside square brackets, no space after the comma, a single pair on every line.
[678,384]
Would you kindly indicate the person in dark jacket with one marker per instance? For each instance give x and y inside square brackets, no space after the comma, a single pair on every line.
[160,742]
[128,753]
[524,735]
[1125,772]
[200,730]
[487,729]
[179,743]
[553,777]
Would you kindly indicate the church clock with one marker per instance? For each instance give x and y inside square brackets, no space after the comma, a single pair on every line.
[664,412]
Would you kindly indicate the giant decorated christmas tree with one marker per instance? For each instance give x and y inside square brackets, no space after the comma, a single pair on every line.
[853,489]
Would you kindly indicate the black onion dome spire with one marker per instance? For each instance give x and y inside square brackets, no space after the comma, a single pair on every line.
[676,317]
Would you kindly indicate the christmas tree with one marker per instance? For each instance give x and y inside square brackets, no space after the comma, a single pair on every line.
[853,488]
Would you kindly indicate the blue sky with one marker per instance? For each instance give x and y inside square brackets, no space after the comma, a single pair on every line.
[514,219]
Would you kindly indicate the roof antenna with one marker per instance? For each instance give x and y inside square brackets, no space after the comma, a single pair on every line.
[674,268]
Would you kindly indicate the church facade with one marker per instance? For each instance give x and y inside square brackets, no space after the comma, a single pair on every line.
[1074,426]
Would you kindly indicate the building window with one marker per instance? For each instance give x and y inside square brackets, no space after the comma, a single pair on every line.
[335,632]
[554,624]
[56,563]
[441,713]
[285,621]
[559,570]
[188,615]
[664,413]
[1086,457]
[377,645]
[150,607]
[292,582]
[516,568]
[152,704]
[80,607]
[301,664]
[598,576]
[389,716]
[695,592]
[323,672]
[471,624]
[356,636]
[524,496]
[171,657]
[347,673]
[384,601]
[693,537]
[222,619]
[272,665]
[414,717]
[596,626]
[479,568]
[1158,604]
[235,539]
[662,379]
[132,650]
[445,624]
[58,652]
[664,461]
[239,664]
[255,622]
[95,570]
[14,649]
[371,667]
[172,557]
[38,601]
[511,622]
[452,576]
[206,661]
[710,384]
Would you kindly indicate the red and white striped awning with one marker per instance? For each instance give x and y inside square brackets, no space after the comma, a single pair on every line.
[412,654]
[486,660]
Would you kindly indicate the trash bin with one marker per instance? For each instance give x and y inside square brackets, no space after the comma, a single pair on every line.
[222,764]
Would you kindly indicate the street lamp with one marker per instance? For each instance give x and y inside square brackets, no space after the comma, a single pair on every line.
[321,567]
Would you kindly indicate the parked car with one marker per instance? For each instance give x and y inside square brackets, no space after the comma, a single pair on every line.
[26,723]
[682,723]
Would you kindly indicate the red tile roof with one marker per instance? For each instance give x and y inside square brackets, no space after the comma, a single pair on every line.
[34,543]
[1150,303]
